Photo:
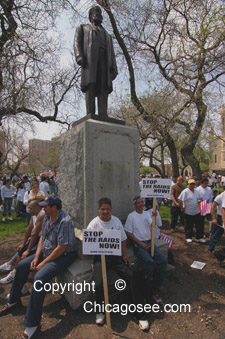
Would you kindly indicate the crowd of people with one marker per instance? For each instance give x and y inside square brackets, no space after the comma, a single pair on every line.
[16,192]
[193,201]
[48,247]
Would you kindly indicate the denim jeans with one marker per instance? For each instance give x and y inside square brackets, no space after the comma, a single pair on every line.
[154,267]
[217,232]
[46,273]
[7,206]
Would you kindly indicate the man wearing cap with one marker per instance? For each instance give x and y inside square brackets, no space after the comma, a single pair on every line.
[175,209]
[138,228]
[55,252]
[189,201]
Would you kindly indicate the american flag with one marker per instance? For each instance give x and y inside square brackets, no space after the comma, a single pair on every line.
[167,239]
[205,208]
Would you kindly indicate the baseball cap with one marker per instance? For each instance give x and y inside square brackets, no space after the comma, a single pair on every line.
[136,198]
[51,200]
[191,181]
[180,178]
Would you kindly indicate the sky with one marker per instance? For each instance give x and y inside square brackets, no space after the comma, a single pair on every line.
[46,131]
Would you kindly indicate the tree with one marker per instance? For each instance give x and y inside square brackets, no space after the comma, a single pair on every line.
[15,151]
[53,158]
[185,40]
[158,143]
[32,81]
[145,170]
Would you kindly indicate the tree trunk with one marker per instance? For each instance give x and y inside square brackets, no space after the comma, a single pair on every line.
[193,162]
[173,153]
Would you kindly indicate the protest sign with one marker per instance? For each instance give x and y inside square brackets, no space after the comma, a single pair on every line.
[103,241]
[158,188]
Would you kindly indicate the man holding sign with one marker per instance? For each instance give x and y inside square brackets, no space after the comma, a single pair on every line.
[138,228]
[119,264]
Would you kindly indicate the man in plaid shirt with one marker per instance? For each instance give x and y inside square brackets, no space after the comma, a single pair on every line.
[55,252]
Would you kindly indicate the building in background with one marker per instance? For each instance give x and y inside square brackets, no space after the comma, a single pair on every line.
[217,148]
[43,155]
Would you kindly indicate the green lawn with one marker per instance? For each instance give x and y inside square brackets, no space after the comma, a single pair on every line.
[16,226]
[164,212]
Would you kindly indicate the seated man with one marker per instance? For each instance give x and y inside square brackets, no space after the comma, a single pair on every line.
[29,244]
[55,252]
[119,264]
[138,228]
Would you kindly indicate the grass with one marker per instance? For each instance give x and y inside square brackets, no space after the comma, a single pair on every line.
[16,226]
[165,212]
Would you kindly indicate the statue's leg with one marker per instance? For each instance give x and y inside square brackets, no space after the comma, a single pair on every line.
[103,102]
[102,83]
[90,99]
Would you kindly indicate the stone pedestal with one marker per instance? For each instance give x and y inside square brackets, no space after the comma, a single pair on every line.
[98,159]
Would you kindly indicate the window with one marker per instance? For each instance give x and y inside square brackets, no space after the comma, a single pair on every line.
[215,159]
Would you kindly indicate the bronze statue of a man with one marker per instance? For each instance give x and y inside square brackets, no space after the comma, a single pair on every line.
[94,52]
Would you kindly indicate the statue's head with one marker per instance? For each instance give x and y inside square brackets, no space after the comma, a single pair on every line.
[95,15]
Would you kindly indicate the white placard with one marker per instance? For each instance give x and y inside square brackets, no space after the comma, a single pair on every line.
[198,264]
[153,187]
[107,242]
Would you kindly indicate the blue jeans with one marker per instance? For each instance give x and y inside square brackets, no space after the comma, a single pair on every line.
[46,273]
[7,206]
[154,267]
[217,232]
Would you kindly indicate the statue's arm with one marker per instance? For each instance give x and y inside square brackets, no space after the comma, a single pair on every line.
[78,46]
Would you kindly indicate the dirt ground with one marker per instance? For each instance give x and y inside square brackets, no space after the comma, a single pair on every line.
[204,290]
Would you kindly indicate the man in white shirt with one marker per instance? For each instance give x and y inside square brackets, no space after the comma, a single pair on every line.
[189,201]
[205,191]
[119,264]
[138,228]
[217,223]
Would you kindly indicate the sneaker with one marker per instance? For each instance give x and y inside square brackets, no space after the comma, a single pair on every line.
[100,317]
[10,218]
[144,325]
[201,240]
[9,278]
[3,219]
[188,241]
[5,267]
